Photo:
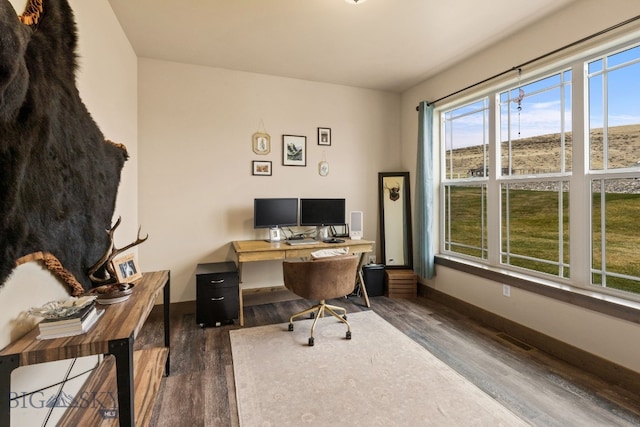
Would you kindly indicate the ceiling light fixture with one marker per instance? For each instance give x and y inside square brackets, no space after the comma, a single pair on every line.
[355,1]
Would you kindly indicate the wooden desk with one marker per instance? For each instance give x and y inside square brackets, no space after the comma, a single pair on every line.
[261,250]
[114,333]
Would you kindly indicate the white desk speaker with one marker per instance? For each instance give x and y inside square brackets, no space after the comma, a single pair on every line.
[355,226]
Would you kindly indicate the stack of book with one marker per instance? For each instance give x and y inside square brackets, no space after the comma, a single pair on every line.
[74,324]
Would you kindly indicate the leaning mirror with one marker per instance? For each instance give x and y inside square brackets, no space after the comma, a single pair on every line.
[395,219]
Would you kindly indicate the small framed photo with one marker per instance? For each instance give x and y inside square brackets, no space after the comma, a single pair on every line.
[324,136]
[294,150]
[261,143]
[262,168]
[127,269]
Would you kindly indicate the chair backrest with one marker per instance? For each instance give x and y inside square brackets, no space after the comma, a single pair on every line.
[323,278]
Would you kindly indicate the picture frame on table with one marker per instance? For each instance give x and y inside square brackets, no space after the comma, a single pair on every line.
[127,268]
[261,168]
[324,136]
[294,150]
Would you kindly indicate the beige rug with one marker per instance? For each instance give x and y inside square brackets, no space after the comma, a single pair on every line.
[378,378]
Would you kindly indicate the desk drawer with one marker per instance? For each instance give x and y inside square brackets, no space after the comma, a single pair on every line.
[261,256]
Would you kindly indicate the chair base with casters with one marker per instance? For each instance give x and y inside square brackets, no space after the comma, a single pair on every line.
[317,311]
[321,279]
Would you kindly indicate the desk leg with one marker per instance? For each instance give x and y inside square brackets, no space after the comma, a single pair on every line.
[167,322]
[363,288]
[7,365]
[123,352]
[241,308]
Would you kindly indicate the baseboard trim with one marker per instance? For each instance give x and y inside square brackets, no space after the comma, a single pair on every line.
[604,369]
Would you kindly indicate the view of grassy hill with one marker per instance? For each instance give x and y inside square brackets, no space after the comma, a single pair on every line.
[542,154]
[533,212]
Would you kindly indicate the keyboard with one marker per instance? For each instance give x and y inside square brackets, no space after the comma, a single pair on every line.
[297,242]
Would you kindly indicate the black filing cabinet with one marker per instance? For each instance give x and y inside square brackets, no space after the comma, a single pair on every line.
[217,300]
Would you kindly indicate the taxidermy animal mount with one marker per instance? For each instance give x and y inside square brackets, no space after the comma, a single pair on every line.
[59,177]
[394,192]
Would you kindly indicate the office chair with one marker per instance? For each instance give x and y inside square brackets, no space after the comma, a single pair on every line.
[321,279]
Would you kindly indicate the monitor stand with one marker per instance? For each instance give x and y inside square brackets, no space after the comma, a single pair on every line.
[275,234]
[322,232]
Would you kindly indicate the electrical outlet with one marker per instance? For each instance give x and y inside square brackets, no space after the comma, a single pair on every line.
[372,259]
[506,290]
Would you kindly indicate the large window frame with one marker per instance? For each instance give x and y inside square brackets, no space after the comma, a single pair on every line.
[578,177]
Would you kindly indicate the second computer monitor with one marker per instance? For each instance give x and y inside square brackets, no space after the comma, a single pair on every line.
[322,212]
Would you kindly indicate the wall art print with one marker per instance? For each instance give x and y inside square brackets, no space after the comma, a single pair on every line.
[294,150]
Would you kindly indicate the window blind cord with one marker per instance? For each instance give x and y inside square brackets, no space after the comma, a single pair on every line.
[531,61]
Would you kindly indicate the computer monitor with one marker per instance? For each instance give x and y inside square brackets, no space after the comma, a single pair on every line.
[322,212]
[275,212]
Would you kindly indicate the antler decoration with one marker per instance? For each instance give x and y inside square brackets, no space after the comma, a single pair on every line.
[394,192]
[105,264]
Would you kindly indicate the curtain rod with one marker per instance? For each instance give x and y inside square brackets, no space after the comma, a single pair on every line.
[531,61]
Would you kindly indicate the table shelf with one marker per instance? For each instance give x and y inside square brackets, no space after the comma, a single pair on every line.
[148,367]
[113,334]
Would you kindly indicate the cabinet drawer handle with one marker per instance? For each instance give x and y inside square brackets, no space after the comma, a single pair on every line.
[217,299]
[217,282]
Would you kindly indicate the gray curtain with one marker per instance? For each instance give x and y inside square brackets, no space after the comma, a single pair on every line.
[424,261]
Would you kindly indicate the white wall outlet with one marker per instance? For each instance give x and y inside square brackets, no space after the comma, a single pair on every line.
[506,290]
[372,259]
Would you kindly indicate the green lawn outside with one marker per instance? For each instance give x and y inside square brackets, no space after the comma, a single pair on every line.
[534,231]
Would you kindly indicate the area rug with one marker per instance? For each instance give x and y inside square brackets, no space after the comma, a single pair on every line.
[378,378]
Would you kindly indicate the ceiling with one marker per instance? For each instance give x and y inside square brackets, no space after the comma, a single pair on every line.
[388,45]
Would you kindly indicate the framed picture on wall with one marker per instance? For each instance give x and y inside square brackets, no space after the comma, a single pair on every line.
[324,136]
[261,143]
[127,269]
[261,168]
[294,150]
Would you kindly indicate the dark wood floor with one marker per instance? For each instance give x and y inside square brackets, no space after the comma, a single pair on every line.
[540,389]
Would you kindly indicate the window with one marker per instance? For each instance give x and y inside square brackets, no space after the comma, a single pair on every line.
[506,184]
[614,159]
[535,120]
[466,142]
[466,219]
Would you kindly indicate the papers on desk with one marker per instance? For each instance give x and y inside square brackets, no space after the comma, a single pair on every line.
[324,253]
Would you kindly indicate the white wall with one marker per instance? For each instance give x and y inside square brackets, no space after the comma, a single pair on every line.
[107,81]
[605,336]
[602,335]
[196,188]
[108,84]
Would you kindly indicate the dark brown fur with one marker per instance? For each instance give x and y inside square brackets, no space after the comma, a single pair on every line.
[58,176]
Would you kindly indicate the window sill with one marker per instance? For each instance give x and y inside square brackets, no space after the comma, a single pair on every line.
[606,304]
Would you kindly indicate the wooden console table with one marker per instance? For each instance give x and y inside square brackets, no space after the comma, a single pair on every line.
[113,334]
[262,250]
